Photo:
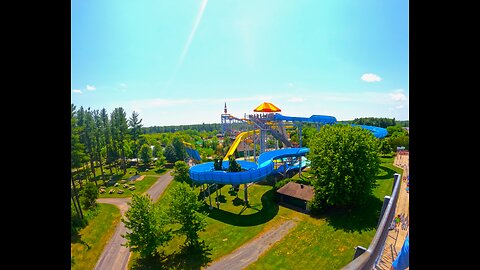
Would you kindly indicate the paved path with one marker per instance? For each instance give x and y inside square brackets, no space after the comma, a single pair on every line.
[251,251]
[114,255]
[396,237]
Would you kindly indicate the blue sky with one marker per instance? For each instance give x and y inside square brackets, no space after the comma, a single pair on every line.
[178,62]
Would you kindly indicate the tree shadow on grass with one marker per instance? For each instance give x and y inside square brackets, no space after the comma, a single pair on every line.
[388,173]
[188,257]
[269,210]
[160,170]
[356,218]
[222,199]
[75,237]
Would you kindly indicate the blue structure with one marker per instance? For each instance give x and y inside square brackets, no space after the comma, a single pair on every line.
[193,154]
[205,174]
[275,124]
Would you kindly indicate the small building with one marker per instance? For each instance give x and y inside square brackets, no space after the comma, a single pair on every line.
[296,195]
[244,148]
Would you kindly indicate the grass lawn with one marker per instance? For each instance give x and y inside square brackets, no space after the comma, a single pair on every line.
[151,175]
[326,242]
[140,187]
[88,244]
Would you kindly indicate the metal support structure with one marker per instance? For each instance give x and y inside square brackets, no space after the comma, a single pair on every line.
[245,193]
[217,200]
[209,197]
[299,166]
[254,145]
[300,135]
[263,135]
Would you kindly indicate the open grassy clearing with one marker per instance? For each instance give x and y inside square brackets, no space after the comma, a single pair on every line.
[88,244]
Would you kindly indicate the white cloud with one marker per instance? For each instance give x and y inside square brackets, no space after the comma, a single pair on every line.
[91,87]
[296,99]
[123,85]
[398,95]
[291,85]
[399,106]
[370,77]
[77,91]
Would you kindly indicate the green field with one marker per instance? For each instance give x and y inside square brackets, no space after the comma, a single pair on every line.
[328,242]
[88,244]
[325,242]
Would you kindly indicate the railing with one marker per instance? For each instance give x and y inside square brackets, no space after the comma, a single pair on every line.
[370,257]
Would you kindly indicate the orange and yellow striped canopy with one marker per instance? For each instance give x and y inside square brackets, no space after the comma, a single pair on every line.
[267,107]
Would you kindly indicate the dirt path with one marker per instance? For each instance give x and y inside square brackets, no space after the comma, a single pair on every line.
[115,256]
[251,251]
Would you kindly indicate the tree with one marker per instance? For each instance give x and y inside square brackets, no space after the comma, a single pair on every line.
[396,130]
[180,172]
[233,165]
[180,151]
[77,157]
[217,164]
[169,153]
[183,209]
[147,225]
[105,127]
[384,147]
[157,149]
[89,195]
[396,141]
[345,162]
[135,132]
[99,139]
[119,129]
[90,140]
[146,153]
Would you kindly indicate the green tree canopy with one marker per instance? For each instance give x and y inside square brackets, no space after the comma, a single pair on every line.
[180,172]
[146,153]
[233,165]
[169,153]
[183,209]
[146,223]
[345,162]
[179,147]
[89,195]
[217,163]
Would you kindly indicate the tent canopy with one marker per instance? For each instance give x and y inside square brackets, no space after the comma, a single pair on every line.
[267,107]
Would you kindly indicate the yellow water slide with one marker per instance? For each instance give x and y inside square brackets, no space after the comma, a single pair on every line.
[237,141]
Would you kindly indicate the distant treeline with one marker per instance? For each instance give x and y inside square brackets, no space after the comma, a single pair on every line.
[167,129]
[377,122]
[371,121]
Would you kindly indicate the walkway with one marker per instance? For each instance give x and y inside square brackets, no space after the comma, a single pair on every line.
[251,251]
[396,237]
[115,255]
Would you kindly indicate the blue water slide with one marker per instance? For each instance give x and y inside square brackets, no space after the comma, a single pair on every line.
[324,119]
[328,120]
[193,153]
[377,131]
[254,172]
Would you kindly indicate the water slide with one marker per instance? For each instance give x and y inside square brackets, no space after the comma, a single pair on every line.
[323,119]
[191,151]
[284,168]
[237,141]
[254,172]
[378,132]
